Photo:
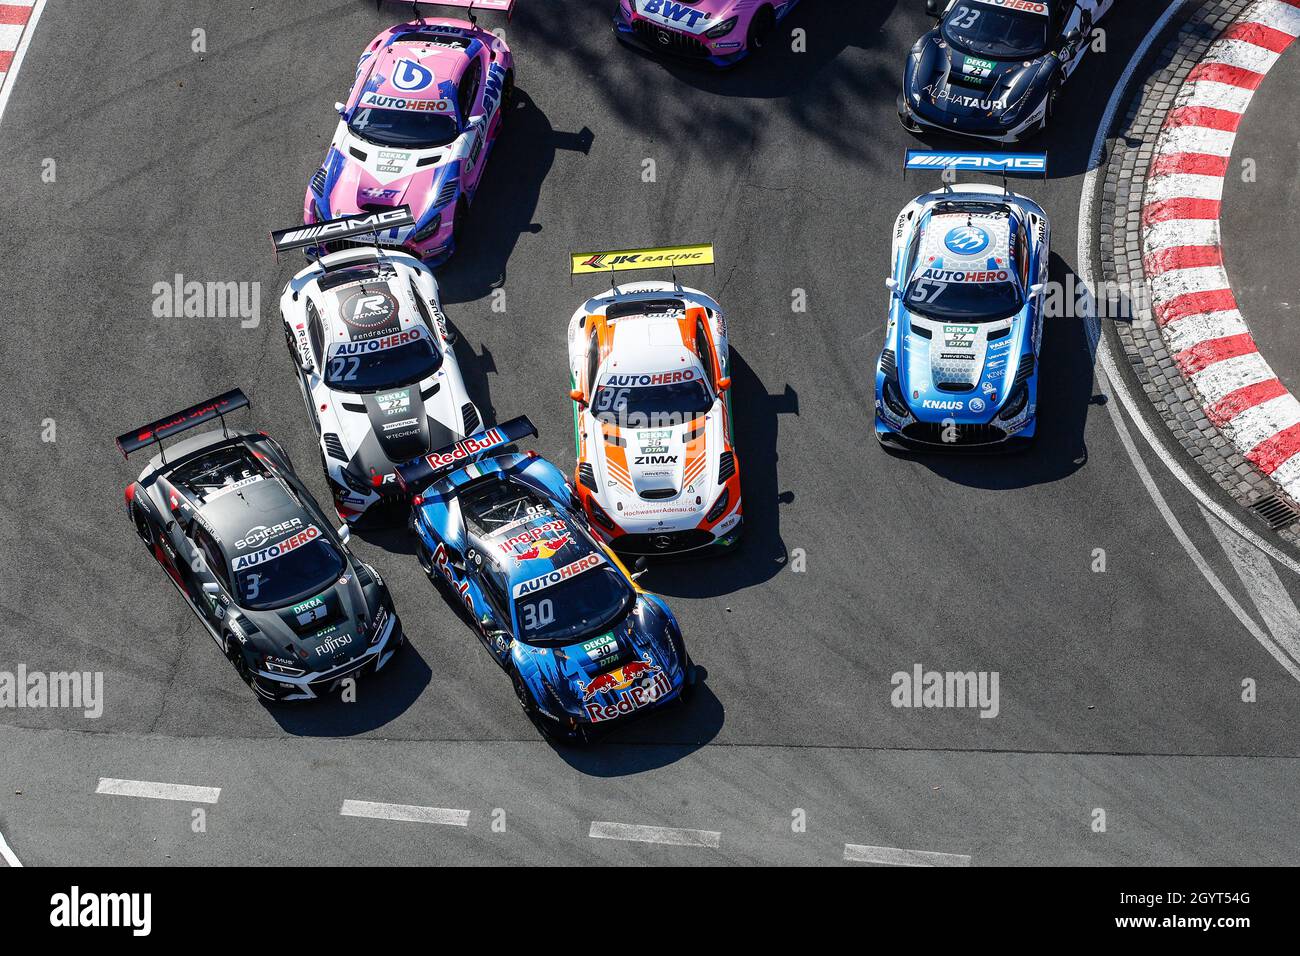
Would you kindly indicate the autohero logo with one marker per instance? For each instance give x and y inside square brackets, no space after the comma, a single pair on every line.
[75,909]
[61,690]
[924,689]
[182,299]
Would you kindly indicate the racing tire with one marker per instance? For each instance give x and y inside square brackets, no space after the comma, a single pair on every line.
[236,657]
[458,223]
[142,527]
[549,729]
[760,29]
[507,95]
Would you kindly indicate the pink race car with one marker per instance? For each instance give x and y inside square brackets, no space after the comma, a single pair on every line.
[717,32]
[416,130]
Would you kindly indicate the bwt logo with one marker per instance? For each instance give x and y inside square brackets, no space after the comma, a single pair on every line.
[76,909]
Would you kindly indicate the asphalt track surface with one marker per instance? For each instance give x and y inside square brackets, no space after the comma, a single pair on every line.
[1261,233]
[1120,691]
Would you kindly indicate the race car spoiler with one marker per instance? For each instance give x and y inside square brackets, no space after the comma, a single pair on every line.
[626,260]
[345,227]
[181,421]
[501,6]
[419,473]
[1004,164]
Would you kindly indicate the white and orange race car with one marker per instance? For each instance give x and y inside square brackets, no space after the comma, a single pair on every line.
[650,381]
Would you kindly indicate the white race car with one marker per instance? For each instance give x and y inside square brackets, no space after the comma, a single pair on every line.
[366,331]
[650,375]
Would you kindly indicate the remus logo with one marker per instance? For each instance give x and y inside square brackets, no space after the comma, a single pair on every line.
[76,909]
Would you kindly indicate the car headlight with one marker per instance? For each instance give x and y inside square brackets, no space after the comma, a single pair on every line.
[894,401]
[274,668]
[722,29]
[719,506]
[378,624]
[357,484]
[600,515]
[424,232]
[1015,404]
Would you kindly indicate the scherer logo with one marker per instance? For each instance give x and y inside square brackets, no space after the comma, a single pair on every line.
[77,909]
[946,689]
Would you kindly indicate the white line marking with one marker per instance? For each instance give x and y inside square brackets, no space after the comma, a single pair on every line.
[158,791]
[1195,139]
[8,854]
[1263,585]
[1118,386]
[1170,285]
[670,836]
[1224,377]
[1218,96]
[1241,54]
[1262,421]
[405,813]
[1192,329]
[1184,186]
[11,77]
[891,856]
[1279,16]
[1181,232]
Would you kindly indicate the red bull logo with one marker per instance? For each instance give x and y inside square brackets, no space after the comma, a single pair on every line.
[632,699]
[620,678]
[464,449]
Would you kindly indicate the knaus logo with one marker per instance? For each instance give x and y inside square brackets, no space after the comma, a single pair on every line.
[181,299]
[946,689]
[76,909]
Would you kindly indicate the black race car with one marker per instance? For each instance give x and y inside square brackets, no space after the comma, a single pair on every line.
[994,68]
[257,559]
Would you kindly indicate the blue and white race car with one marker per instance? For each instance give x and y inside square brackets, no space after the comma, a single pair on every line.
[503,535]
[959,367]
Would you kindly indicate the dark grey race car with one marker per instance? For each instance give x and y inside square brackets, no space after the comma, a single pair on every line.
[256,558]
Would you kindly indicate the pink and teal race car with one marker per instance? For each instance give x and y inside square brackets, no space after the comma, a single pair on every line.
[423,114]
[716,32]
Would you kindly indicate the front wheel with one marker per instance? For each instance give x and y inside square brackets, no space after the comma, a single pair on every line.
[761,27]
[549,729]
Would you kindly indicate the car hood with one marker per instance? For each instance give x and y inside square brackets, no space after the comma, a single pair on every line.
[380,177]
[964,85]
[383,429]
[612,674]
[957,370]
[318,633]
[687,16]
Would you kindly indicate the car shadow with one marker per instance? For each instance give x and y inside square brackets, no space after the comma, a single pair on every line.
[660,738]
[762,553]
[1065,393]
[380,699]
[506,200]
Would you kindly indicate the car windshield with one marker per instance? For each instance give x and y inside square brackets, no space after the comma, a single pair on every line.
[383,368]
[618,404]
[408,128]
[269,581]
[968,296]
[991,31]
[585,604]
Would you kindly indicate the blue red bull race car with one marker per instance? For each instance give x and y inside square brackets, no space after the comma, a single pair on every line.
[959,367]
[502,534]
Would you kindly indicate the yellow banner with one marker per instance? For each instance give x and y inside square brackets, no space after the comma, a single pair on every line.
[624,260]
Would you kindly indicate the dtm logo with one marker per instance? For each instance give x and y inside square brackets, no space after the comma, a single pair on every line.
[967,240]
[409,76]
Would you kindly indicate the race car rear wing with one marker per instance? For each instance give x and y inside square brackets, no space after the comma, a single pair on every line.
[500,6]
[1003,164]
[345,227]
[417,474]
[626,260]
[184,420]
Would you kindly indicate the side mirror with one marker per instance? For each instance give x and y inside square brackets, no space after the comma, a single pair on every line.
[345,534]
[934,8]
[1036,289]
[339,108]
[576,395]
[1073,37]
[640,568]
[892,285]
[724,384]
[210,587]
